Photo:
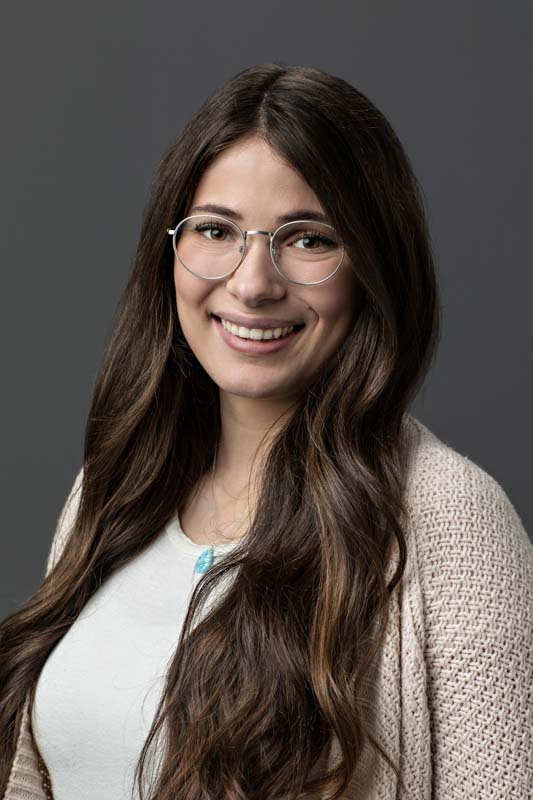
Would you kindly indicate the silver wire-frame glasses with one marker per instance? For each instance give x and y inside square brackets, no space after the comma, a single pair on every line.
[244,234]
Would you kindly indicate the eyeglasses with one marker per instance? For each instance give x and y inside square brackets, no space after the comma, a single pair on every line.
[304,251]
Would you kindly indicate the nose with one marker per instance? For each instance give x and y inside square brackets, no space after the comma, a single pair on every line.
[256,277]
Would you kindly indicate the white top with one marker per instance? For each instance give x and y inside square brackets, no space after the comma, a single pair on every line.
[98,691]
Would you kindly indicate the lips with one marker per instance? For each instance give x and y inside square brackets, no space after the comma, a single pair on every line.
[255,346]
[250,326]
[259,322]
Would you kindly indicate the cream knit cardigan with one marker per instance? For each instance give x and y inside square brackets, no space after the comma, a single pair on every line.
[453,684]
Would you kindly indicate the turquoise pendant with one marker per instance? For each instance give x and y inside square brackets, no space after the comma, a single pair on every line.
[204,561]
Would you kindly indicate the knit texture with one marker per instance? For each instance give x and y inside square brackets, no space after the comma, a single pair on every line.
[451,694]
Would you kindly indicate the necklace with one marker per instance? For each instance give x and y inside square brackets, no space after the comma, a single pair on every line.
[206,558]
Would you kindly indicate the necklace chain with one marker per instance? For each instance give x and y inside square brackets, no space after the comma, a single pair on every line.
[206,558]
[213,517]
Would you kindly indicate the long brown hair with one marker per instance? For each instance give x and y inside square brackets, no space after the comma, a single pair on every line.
[260,686]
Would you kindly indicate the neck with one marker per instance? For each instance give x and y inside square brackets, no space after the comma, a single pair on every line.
[247,429]
[248,426]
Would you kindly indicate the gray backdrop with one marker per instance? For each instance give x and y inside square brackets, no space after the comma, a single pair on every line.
[91,96]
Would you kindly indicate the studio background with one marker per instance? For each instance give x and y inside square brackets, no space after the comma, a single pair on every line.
[91,98]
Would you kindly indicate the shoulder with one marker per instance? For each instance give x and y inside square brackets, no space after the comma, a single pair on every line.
[447,490]
[472,550]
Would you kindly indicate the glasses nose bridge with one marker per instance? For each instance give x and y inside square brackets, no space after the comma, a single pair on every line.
[270,234]
[264,233]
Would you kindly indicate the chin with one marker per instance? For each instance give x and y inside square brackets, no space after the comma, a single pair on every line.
[245,390]
[242,385]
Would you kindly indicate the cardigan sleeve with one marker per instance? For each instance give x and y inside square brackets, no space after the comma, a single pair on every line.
[65,522]
[476,563]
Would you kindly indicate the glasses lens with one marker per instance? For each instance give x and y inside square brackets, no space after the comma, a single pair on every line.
[307,252]
[208,245]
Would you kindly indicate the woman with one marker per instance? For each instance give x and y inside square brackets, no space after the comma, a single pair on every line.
[249,444]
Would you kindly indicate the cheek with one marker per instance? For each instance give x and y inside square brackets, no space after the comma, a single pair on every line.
[190,291]
[336,305]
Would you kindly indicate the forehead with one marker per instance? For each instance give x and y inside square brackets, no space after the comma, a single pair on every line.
[253,180]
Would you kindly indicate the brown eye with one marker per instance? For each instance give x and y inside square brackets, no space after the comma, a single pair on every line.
[219,231]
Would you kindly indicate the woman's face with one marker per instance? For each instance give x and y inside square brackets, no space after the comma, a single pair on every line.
[252,180]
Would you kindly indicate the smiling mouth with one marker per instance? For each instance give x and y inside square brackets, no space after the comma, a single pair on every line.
[273,334]
[256,347]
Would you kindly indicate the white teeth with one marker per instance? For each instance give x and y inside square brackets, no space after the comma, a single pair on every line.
[256,333]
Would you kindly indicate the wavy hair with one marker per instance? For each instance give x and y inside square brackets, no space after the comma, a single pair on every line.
[259,687]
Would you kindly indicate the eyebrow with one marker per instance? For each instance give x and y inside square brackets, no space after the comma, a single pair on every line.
[299,213]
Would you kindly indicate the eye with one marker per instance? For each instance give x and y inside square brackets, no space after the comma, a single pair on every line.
[315,240]
[221,230]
